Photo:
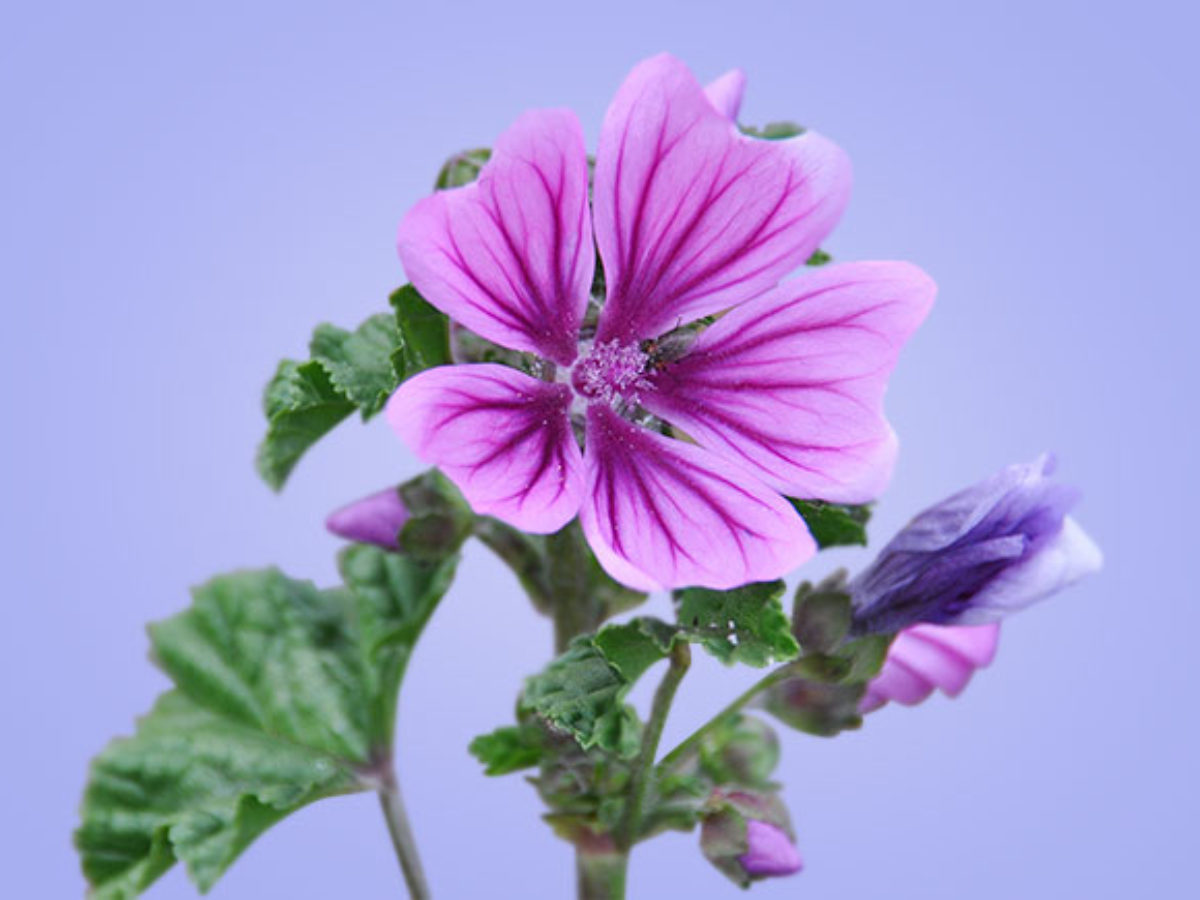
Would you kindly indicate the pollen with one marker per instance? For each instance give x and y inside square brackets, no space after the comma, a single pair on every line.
[612,371]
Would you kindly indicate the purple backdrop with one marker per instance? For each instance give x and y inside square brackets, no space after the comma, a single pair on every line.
[187,191]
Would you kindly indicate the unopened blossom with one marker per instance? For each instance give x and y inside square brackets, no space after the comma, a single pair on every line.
[693,430]
[376,519]
[771,852]
[747,836]
[985,552]
[924,658]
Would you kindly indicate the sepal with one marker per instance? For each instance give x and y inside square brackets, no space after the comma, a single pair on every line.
[439,519]
[462,168]
[833,524]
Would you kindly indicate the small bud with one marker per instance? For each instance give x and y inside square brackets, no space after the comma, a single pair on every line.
[744,752]
[815,707]
[747,836]
[376,519]
[771,852]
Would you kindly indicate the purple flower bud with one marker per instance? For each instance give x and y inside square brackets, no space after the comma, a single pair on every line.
[977,556]
[376,519]
[771,852]
[746,835]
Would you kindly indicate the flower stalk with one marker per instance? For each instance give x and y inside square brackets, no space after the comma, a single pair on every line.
[392,803]
[681,659]
[692,742]
[601,870]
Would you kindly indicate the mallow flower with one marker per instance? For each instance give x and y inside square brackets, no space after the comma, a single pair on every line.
[704,390]
[985,552]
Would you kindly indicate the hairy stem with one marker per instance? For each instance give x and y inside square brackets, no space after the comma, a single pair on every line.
[520,555]
[600,870]
[577,610]
[402,837]
[689,744]
[643,767]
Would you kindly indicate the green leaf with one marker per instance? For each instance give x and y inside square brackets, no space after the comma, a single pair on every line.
[348,370]
[396,596]
[834,524]
[635,646]
[462,168]
[359,362]
[302,406]
[284,694]
[819,258]
[746,625]
[424,333]
[509,749]
[195,785]
[582,692]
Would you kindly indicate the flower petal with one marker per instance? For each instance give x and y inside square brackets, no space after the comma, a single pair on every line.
[500,435]
[510,256]
[1062,561]
[691,216]
[662,513]
[725,94]
[792,383]
[926,657]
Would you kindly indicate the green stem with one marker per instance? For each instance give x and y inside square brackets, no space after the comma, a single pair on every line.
[689,744]
[402,837]
[600,870]
[515,549]
[639,782]
[576,609]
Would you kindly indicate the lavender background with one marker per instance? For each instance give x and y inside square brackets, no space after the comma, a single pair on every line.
[189,188]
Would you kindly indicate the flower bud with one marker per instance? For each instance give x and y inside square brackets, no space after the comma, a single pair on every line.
[770,852]
[985,552]
[376,519]
[748,837]
[744,752]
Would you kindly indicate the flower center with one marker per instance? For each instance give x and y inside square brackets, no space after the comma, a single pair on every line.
[611,371]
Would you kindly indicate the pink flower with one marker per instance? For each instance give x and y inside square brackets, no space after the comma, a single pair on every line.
[691,437]
[926,657]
